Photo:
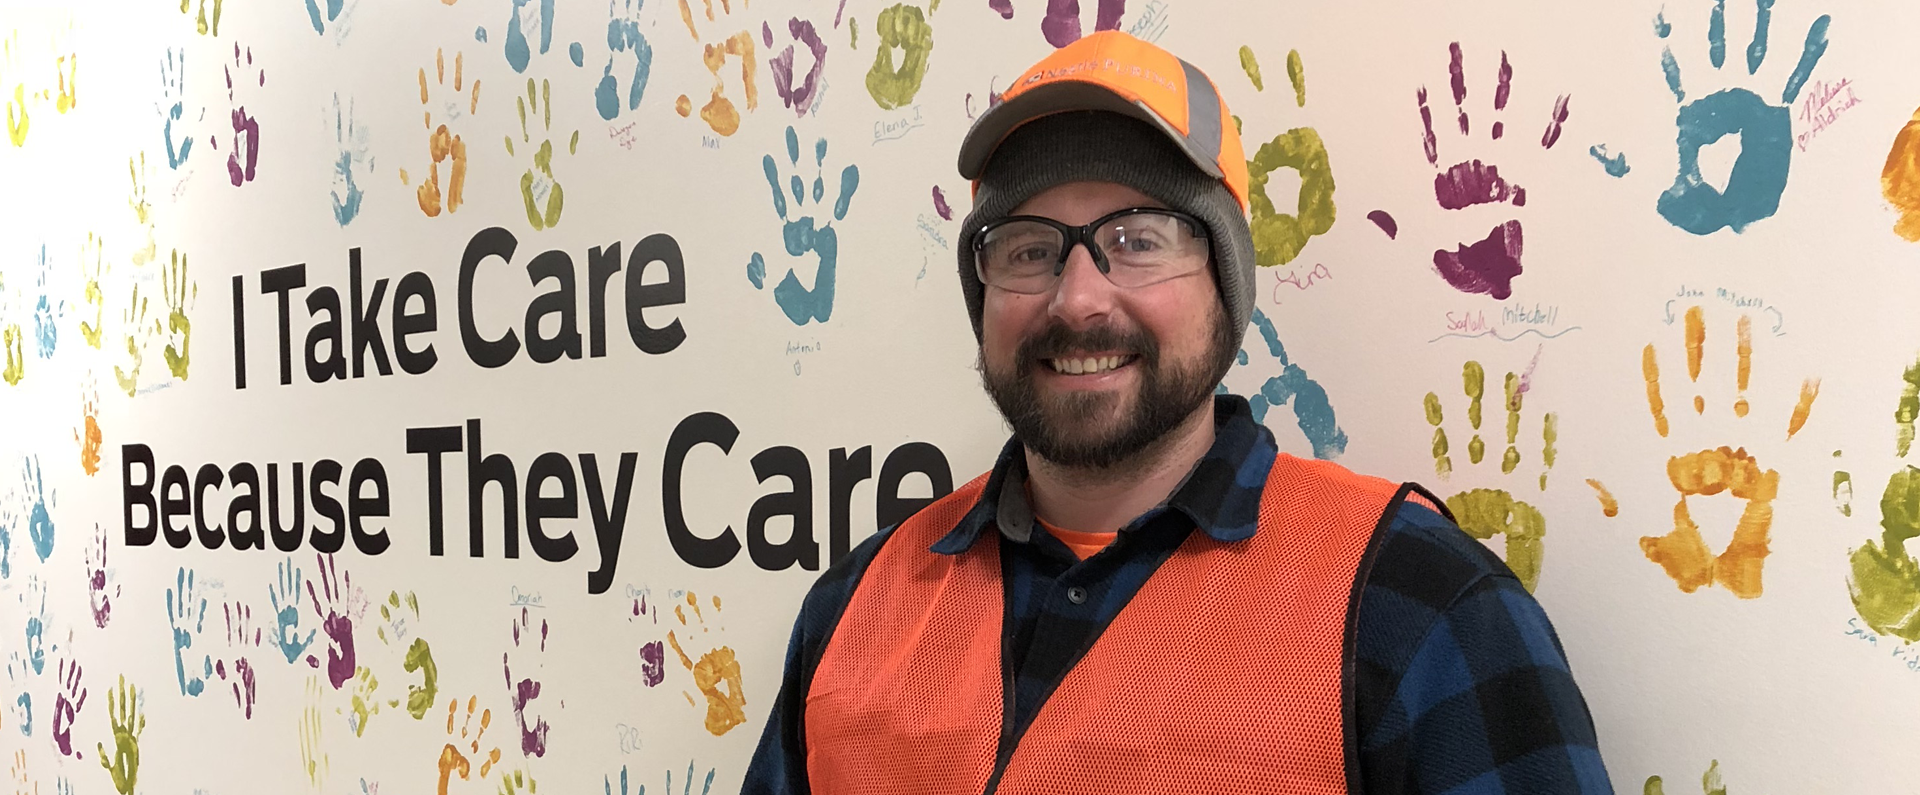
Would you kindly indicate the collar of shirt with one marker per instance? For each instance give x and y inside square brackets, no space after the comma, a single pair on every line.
[1220,495]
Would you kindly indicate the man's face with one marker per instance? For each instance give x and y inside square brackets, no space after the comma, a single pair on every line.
[1088,374]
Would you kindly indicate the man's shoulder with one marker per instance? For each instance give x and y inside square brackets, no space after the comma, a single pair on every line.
[1424,556]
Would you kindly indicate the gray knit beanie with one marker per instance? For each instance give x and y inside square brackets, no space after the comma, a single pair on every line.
[1101,146]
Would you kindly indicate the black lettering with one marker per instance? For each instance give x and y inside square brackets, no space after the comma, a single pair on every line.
[286,538]
[554,467]
[325,299]
[889,508]
[795,503]
[405,322]
[490,242]
[365,320]
[565,341]
[663,249]
[327,471]
[601,266]
[433,442]
[138,494]
[248,504]
[208,476]
[843,473]
[175,502]
[609,520]
[282,282]
[481,470]
[703,428]
[368,471]
[239,331]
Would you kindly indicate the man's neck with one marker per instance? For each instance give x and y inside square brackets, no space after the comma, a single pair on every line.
[1105,499]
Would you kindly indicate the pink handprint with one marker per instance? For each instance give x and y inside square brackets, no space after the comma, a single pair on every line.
[246,129]
[67,706]
[336,618]
[533,739]
[241,635]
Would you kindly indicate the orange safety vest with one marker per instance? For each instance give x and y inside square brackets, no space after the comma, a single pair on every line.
[1224,673]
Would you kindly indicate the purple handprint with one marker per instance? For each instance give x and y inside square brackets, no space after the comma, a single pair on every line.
[533,739]
[798,96]
[336,618]
[653,663]
[97,579]
[241,635]
[246,129]
[67,706]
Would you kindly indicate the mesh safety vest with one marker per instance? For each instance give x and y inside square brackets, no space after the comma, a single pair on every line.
[1225,673]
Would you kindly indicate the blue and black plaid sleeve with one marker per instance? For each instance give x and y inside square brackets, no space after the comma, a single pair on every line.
[1461,685]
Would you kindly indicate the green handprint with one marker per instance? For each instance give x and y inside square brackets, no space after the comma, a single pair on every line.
[180,295]
[419,657]
[1485,513]
[1279,237]
[539,188]
[136,325]
[1710,783]
[16,355]
[905,27]
[128,721]
[1885,577]
[517,782]
[93,270]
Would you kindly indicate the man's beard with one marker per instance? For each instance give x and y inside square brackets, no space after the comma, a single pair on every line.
[1082,429]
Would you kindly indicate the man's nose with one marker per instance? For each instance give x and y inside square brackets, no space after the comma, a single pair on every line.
[1083,292]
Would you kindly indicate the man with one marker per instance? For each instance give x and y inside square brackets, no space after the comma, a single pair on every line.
[1143,595]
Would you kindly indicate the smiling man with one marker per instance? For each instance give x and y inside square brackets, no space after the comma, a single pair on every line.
[1144,595]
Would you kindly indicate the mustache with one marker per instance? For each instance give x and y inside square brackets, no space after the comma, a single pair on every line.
[1057,339]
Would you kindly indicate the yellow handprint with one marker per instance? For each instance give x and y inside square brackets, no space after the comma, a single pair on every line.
[180,296]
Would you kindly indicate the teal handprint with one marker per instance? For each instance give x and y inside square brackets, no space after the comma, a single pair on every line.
[285,596]
[1311,408]
[530,18]
[801,304]
[1766,131]
[39,520]
[186,614]
[623,35]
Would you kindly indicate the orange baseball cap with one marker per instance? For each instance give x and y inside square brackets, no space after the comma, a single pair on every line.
[1114,71]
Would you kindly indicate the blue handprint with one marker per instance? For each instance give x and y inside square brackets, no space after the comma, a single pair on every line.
[608,782]
[46,312]
[39,520]
[623,35]
[803,305]
[687,788]
[173,79]
[529,16]
[1311,408]
[35,601]
[1766,135]
[332,14]
[350,140]
[285,596]
[183,609]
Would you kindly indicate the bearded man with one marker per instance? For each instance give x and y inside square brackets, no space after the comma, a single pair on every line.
[1144,595]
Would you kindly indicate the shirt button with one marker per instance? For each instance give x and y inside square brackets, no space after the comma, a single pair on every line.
[1077,595]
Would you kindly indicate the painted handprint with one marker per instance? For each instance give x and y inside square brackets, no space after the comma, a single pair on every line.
[539,191]
[1765,130]
[351,163]
[1683,552]
[364,703]
[180,293]
[1312,410]
[98,598]
[1900,179]
[241,162]
[419,657]
[1489,266]
[906,28]
[13,340]
[1710,782]
[802,304]
[624,37]
[172,107]
[719,113]
[453,760]
[93,271]
[1279,237]
[128,720]
[137,331]
[186,615]
[1884,576]
[37,497]
[531,22]
[144,249]
[18,121]
[443,145]
[523,691]
[67,704]
[243,636]
[47,311]
[798,95]
[313,753]
[335,14]
[518,782]
[204,23]
[285,596]
[337,603]
[33,605]
[653,653]
[716,675]
[1487,512]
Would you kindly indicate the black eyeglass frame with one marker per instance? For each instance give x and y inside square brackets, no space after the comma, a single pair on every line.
[1083,236]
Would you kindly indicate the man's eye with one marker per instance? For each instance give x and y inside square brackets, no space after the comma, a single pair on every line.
[1034,254]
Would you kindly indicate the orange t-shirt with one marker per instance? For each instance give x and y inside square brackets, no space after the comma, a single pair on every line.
[1084,545]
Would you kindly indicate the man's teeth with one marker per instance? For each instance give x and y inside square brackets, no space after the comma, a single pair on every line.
[1088,366]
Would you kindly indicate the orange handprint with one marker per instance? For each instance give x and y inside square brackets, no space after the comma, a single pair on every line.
[719,112]
[452,760]
[442,144]
[726,708]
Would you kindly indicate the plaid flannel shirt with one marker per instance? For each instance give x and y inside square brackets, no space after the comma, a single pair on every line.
[1459,682]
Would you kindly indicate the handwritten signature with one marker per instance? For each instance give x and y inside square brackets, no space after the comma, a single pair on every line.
[1315,274]
[1907,654]
[517,599]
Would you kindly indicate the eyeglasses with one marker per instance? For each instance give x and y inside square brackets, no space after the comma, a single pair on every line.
[1135,247]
